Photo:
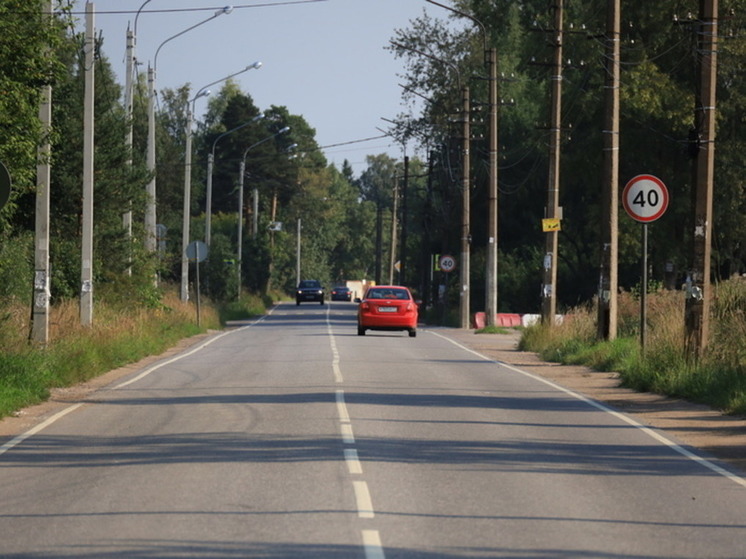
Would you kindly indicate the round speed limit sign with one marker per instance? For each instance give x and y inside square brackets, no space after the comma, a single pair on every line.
[447,263]
[645,198]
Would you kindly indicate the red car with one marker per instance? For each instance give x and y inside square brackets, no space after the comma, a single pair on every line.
[387,307]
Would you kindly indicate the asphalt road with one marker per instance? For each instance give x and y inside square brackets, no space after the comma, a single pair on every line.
[294,437]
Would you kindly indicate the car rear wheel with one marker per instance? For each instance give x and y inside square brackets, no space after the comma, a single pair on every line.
[360,331]
[413,333]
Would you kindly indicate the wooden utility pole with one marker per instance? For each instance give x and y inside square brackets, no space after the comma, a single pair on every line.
[609,280]
[697,312]
[464,291]
[404,224]
[552,210]
[491,272]
[394,226]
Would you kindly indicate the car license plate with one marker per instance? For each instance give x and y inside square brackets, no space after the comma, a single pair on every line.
[386,309]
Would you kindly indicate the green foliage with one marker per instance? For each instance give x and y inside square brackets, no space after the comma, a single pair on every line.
[717,380]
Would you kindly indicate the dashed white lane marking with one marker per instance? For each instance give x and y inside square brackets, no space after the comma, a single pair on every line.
[364,502]
[372,544]
[347,435]
[335,352]
[371,538]
[353,462]
[344,416]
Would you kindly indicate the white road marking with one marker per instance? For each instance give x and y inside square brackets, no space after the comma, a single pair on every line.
[625,418]
[372,544]
[344,416]
[364,502]
[353,462]
[347,436]
[22,437]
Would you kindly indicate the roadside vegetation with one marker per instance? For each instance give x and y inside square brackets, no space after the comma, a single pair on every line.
[122,334]
[718,379]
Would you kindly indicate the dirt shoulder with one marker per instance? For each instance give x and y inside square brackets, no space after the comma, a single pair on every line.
[721,436]
[699,426]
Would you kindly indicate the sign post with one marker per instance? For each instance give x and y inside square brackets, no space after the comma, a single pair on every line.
[196,252]
[645,198]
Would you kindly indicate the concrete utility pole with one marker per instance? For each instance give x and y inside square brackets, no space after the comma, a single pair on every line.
[86,275]
[609,281]
[42,275]
[698,296]
[464,292]
[552,210]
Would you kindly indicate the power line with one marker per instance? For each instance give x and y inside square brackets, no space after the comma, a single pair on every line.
[204,9]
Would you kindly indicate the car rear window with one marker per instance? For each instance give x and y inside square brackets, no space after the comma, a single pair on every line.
[387,294]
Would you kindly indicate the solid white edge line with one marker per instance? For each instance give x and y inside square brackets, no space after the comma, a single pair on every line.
[59,415]
[372,544]
[364,502]
[625,418]
[33,431]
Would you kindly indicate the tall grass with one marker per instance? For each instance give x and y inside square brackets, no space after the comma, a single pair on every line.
[119,335]
[718,379]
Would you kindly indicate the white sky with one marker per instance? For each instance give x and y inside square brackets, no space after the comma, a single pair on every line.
[324,60]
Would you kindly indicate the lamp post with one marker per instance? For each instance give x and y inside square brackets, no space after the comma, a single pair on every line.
[150,218]
[210,165]
[242,172]
[185,228]
[490,58]
[465,266]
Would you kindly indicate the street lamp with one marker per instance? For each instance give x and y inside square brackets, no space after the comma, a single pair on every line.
[210,165]
[203,92]
[465,267]
[492,233]
[242,172]
[150,220]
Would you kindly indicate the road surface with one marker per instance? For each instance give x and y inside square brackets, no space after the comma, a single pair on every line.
[291,436]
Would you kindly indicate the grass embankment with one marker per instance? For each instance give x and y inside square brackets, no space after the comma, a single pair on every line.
[119,335]
[718,379]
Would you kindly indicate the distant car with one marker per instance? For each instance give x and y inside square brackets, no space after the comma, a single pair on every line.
[309,290]
[387,307]
[341,293]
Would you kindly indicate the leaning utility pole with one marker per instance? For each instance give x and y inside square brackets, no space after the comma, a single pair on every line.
[698,296]
[609,280]
[42,276]
[552,210]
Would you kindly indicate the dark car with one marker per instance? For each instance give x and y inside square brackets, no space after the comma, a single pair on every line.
[309,290]
[341,293]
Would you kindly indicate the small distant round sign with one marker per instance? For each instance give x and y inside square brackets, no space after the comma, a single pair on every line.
[196,251]
[645,198]
[447,263]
